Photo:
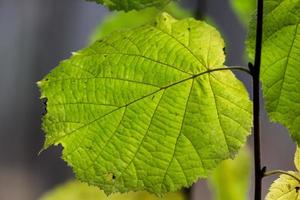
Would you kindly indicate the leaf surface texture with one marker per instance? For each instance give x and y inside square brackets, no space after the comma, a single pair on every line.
[141,109]
[280,71]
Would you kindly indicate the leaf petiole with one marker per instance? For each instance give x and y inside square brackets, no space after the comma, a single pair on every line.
[274,172]
[241,69]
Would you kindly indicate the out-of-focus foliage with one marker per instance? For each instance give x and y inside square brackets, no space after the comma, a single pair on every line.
[75,190]
[280,71]
[244,9]
[127,5]
[126,20]
[230,181]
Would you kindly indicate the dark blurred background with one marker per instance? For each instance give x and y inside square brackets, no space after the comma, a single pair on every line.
[34,36]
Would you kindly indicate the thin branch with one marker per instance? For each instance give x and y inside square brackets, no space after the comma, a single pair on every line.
[256,101]
[241,69]
[274,172]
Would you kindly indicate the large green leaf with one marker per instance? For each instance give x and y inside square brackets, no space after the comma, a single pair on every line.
[75,190]
[125,20]
[127,5]
[230,180]
[141,109]
[280,72]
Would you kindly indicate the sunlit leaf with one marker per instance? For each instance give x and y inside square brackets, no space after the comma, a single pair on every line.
[285,188]
[280,72]
[142,110]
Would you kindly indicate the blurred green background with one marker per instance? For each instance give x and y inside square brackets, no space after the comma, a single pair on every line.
[35,35]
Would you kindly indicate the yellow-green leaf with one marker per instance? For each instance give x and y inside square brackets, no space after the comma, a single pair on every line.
[285,188]
[280,71]
[144,109]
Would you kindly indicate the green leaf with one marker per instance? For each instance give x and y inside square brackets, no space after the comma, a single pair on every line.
[288,185]
[142,109]
[285,188]
[75,190]
[244,9]
[230,180]
[127,5]
[280,70]
[125,20]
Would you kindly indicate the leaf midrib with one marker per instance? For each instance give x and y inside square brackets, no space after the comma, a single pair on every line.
[138,99]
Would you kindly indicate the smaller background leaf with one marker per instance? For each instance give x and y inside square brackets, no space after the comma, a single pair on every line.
[126,20]
[230,181]
[127,5]
[75,190]
[244,9]
[285,188]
